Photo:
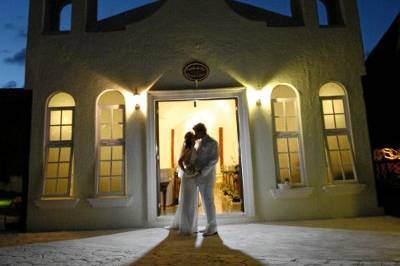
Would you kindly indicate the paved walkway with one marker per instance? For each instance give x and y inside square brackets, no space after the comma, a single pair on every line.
[242,244]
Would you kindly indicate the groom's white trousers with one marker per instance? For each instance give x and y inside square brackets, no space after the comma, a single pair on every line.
[207,196]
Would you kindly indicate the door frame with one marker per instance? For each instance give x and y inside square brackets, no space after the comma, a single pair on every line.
[244,142]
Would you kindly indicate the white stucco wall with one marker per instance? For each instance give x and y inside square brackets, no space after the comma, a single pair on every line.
[151,53]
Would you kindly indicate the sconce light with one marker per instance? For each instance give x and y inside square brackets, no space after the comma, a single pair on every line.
[136,99]
[258,102]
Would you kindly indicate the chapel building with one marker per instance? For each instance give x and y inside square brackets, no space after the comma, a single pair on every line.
[113,98]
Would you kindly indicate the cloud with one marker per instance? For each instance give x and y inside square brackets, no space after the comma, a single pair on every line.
[9,26]
[22,34]
[10,84]
[18,58]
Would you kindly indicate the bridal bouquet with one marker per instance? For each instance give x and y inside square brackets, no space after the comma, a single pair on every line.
[190,171]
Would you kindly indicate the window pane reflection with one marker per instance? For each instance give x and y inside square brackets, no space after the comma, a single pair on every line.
[62,186]
[280,125]
[116,184]
[293,144]
[55,117]
[105,116]
[53,155]
[338,106]
[65,154]
[282,145]
[291,109]
[52,169]
[117,153]
[118,116]
[54,133]
[327,107]
[292,124]
[50,186]
[343,142]
[329,121]
[278,109]
[116,168]
[283,160]
[105,168]
[67,117]
[104,184]
[105,132]
[117,132]
[340,121]
[66,133]
[105,153]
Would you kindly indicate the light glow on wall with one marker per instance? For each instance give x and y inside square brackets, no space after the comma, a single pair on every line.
[259,98]
[135,102]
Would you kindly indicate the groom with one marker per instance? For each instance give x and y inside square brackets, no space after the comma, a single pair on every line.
[207,157]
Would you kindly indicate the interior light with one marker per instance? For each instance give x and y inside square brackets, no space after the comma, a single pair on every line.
[5,203]
[136,99]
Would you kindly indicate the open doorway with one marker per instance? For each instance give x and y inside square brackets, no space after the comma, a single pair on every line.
[174,118]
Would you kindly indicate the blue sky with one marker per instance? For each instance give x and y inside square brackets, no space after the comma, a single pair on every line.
[375,15]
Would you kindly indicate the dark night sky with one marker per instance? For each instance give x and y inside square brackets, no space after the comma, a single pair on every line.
[376,16]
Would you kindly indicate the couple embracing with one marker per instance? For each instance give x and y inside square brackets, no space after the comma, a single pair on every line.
[197,172]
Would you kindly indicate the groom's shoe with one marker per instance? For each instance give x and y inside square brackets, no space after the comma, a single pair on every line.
[211,233]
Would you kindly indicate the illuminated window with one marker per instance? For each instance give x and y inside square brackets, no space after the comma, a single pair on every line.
[287,135]
[111,144]
[59,145]
[337,134]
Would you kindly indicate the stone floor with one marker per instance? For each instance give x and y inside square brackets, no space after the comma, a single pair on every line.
[362,241]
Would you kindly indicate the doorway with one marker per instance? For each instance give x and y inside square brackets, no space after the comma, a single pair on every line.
[154,197]
[173,120]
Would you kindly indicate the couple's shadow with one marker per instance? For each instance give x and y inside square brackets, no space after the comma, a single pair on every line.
[177,249]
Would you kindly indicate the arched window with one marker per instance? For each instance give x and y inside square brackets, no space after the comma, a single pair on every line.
[287,135]
[330,13]
[322,14]
[337,134]
[111,144]
[66,18]
[59,145]
[58,16]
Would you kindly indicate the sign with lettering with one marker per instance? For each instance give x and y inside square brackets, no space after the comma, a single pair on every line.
[196,71]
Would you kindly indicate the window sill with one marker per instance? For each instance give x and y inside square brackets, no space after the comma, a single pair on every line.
[344,189]
[56,203]
[292,193]
[110,202]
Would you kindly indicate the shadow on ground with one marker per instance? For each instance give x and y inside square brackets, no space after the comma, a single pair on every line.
[194,250]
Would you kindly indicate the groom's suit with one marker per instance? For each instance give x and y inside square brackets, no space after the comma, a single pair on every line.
[207,157]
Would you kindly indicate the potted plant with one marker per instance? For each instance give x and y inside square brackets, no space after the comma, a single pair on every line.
[284,185]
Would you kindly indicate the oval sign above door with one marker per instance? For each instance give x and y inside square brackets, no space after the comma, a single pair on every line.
[195,71]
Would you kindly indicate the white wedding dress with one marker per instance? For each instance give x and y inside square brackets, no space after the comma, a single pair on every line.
[185,220]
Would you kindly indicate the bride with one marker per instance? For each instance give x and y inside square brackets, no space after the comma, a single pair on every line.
[185,220]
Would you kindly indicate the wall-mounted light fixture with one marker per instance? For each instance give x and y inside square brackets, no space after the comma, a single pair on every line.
[136,99]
